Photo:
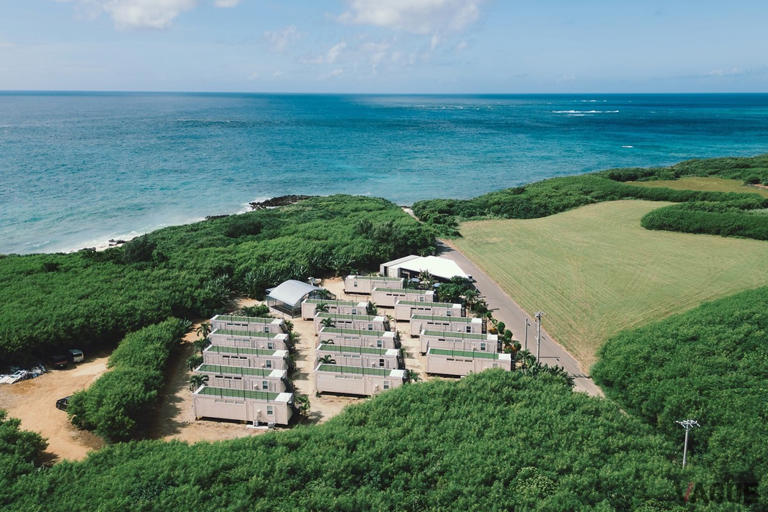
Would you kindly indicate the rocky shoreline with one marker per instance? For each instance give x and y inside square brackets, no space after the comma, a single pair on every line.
[274,202]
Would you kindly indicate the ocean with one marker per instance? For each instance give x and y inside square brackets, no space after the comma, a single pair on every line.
[81,168]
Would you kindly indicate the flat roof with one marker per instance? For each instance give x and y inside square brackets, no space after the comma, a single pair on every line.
[248,334]
[361,370]
[246,350]
[435,265]
[402,290]
[464,353]
[324,314]
[238,393]
[238,370]
[428,304]
[377,278]
[359,332]
[248,319]
[446,318]
[332,347]
[463,335]
[334,302]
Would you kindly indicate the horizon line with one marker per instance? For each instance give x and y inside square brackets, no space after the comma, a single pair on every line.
[339,93]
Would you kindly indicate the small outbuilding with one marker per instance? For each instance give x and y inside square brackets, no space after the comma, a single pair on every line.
[288,296]
[412,266]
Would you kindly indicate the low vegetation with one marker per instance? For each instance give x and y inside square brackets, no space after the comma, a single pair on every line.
[493,441]
[710,364]
[86,299]
[596,271]
[21,452]
[119,400]
[560,194]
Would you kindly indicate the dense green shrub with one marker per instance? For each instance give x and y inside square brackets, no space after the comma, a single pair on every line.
[87,299]
[725,219]
[493,441]
[556,195]
[114,405]
[20,452]
[710,364]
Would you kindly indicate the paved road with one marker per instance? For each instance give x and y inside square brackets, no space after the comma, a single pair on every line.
[508,311]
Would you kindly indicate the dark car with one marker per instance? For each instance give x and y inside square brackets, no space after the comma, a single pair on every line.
[59,361]
[62,403]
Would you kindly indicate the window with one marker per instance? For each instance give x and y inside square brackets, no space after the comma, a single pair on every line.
[379,343]
[266,328]
[270,345]
[386,384]
[268,363]
[448,313]
[482,346]
[421,298]
[381,363]
[264,385]
[370,327]
[469,328]
[354,311]
[355,283]
[270,410]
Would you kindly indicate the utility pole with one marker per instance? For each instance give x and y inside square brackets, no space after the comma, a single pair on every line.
[538,316]
[527,324]
[687,425]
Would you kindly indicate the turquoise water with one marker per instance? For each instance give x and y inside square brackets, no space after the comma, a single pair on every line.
[81,168]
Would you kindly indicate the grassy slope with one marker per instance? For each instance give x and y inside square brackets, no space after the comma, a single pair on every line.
[595,271]
[706,184]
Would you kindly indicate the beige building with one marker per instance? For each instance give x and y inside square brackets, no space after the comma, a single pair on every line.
[405,309]
[461,363]
[248,323]
[358,338]
[243,405]
[446,323]
[389,358]
[465,341]
[249,339]
[247,357]
[353,380]
[242,377]
[342,307]
[388,297]
[366,284]
[359,322]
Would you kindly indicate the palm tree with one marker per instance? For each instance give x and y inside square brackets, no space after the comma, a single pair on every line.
[327,359]
[200,344]
[426,280]
[470,298]
[411,376]
[204,329]
[328,322]
[321,308]
[198,380]
[371,309]
[302,403]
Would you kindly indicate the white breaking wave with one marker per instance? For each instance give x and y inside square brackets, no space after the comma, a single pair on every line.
[585,111]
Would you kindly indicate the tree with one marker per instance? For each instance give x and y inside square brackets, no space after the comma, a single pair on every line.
[321,308]
[327,359]
[328,322]
[204,329]
[411,376]
[371,309]
[197,380]
[259,311]
[302,403]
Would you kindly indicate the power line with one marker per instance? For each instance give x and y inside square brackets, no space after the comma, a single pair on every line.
[538,316]
[687,425]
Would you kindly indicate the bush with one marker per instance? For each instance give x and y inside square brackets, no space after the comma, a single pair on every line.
[20,452]
[492,441]
[709,364]
[114,405]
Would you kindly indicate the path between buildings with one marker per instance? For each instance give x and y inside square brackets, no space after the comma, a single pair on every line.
[508,311]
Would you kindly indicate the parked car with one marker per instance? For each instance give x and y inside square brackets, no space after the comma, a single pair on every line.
[75,355]
[62,403]
[59,361]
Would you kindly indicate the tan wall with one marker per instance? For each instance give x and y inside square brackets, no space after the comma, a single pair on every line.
[445,342]
[247,360]
[388,299]
[355,340]
[461,366]
[367,360]
[366,286]
[354,384]
[381,324]
[308,309]
[273,327]
[419,324]
[406,311]
[229,408]
[227,340]
[252,382]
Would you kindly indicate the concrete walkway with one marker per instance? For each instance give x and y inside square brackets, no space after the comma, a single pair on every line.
[508,311]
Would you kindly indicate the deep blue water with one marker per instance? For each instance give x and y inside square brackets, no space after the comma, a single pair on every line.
[80,168]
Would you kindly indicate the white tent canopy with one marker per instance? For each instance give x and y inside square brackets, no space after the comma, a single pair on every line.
[441,268]
[291,292]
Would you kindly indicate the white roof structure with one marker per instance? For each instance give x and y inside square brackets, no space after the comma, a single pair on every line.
[291,292]
[439,267]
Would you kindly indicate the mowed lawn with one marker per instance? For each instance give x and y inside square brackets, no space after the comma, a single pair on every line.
[595,271]
[704,184]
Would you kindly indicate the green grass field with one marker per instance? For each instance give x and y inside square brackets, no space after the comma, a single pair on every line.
[704,184]
[595,271]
